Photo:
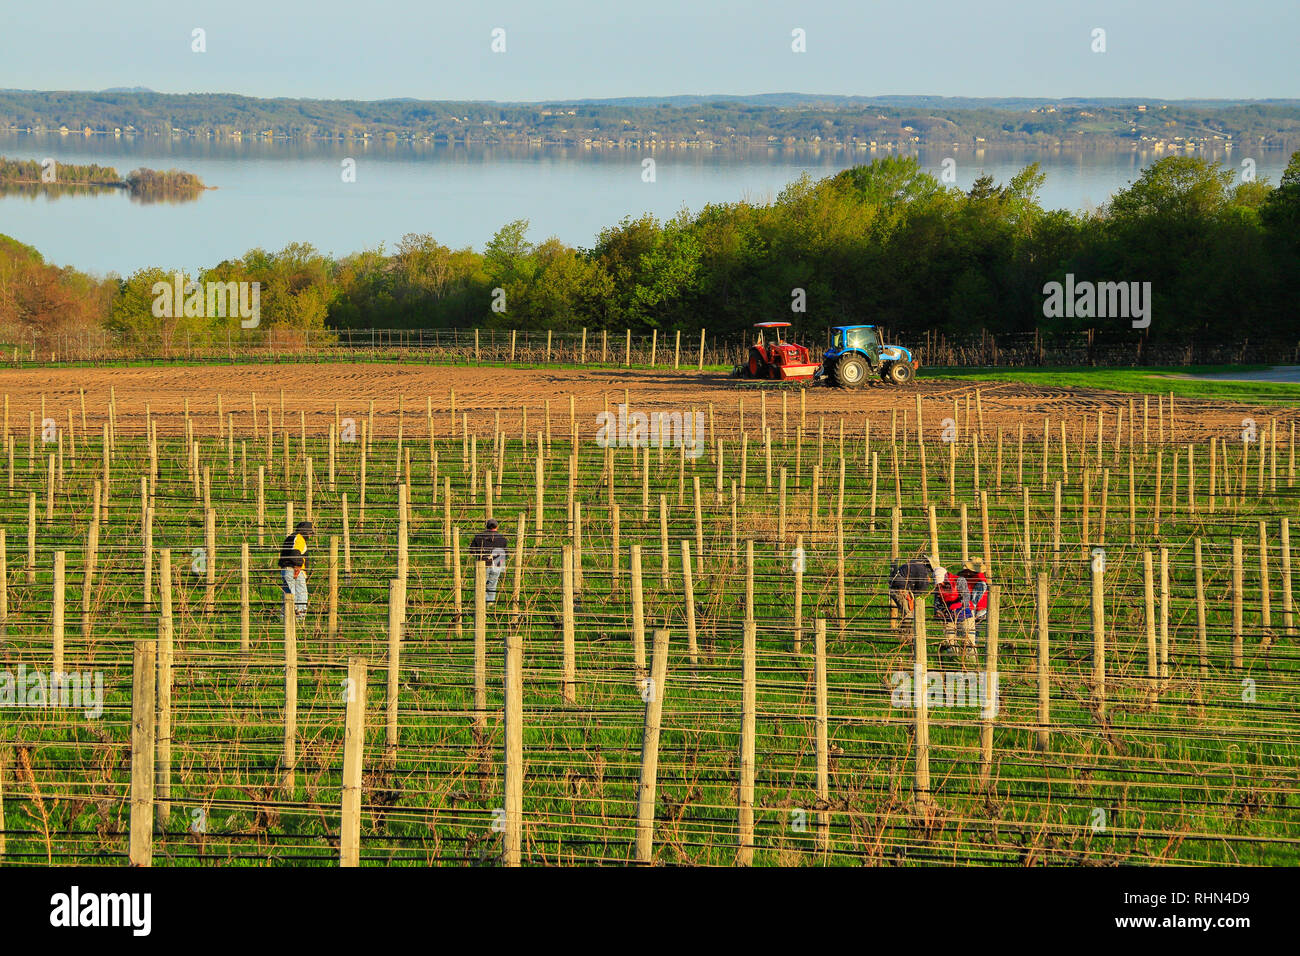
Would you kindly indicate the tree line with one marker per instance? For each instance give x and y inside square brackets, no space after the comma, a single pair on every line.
[29,176]
[883,243]
[739,122]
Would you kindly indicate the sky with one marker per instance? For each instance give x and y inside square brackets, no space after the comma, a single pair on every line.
[570,49]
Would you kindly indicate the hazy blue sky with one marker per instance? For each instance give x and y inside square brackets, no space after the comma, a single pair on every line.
[597,48]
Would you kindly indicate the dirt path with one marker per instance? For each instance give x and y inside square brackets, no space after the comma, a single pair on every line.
[1289,374]
[314,390]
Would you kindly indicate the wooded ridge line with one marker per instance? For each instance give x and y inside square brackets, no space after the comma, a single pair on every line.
[710,122]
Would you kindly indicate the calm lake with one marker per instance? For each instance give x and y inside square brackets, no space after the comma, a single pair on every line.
[269,195]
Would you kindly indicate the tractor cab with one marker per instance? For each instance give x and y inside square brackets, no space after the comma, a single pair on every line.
[860,338]
[856,352]
[777,359]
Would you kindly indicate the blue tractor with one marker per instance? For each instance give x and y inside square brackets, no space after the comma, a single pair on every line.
[856,353]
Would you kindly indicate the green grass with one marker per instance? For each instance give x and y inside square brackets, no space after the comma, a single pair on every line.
[1204,776]
[1149,381]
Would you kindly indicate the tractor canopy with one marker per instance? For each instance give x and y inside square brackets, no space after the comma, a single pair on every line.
[853,338]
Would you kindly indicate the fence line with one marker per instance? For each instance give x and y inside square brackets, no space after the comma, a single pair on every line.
[678,349]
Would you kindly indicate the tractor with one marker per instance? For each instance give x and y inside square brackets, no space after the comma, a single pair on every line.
[777,360]
[856,352]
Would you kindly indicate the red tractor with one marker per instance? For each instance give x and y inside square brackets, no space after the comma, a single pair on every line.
[777,360]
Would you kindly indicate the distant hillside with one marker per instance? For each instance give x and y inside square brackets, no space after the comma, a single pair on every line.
[711,122]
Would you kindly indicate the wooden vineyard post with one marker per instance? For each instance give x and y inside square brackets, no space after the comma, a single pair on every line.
[143,717]
[521,528]
[31,538]
[874,467]
[1164,613]
[570,680]
[244,620]
[699,522]
[57,611]
[480,648]
[165,582]
[989,698]
[1237,630]
[1214,460]
[1265,601]
[514,744]
[4,603]
[934,532]
[354,744]
[653,694]
[1105,502]
[965,532]
[1044,667]
[88,581]
[1288,601]
[688,586]
[663,539]
[49,494]
[540,487]
[984,531]
[799,562]
[1132,501]
[261,506]
[841,609]
[164,732]
[210,561]
[457,584]
[148,557]
[1098,638]
[332,571]
[395,667]
[781,506]
[289,759]
[1028,548]
[403,536]
[952,474]
[922,802]
[1202,649]
[638,613]
[822,725]
[1149,620]
[748,728]
[1056,525]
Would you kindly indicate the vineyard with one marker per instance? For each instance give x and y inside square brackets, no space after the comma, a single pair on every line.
[692,657]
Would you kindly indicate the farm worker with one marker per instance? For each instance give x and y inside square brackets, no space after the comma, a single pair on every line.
[954,607]
[489,546]
[906,581]
[978,585]
[293,567]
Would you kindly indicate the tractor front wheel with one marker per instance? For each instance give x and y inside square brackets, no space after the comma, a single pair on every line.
[850,371]
[900,373]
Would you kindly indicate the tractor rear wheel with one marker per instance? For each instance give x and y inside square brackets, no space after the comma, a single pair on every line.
[757,365]
[900,373]
[850,371]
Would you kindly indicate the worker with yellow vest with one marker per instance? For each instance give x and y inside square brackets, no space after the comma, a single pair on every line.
[293,567]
